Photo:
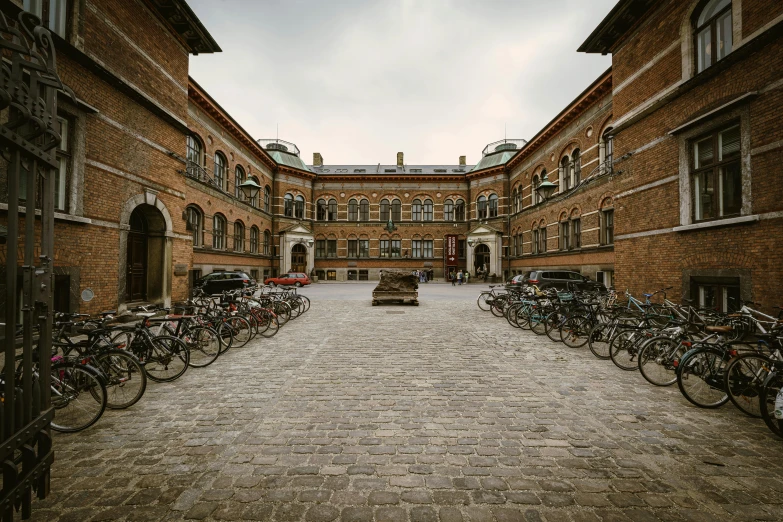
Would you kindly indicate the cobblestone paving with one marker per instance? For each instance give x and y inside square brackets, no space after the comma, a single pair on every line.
[440,412]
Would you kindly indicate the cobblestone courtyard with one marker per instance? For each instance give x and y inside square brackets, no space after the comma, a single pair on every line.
[436,412]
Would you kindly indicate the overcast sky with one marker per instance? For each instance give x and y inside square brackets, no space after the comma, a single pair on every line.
[360,80]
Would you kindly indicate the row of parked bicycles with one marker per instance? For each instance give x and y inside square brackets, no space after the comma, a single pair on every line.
[713,357]
[101,362]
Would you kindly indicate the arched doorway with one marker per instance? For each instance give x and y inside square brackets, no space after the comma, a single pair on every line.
[481,259]
[299,258]
[145,269]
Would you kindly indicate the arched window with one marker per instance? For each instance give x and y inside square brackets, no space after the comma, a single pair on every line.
[239,177]
[416,210]
[713,27]
[481,208]
[320,210]
[254,239]
[576,168]
[385,210]
[267,197]
[427,210]
[267,242]
[459,210]
[493,205]
[195,157]
[534,189]
[218,232]
[364,210]
[299,205]
[332,210]
[606,151]
[564,177]
[254,201]
[288,205]
[196,224]
[353,210]
[396,210]
[219,173]
[535,241]
[448,210]
[239,236]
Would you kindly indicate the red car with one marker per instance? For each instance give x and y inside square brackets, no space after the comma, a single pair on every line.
[291,278]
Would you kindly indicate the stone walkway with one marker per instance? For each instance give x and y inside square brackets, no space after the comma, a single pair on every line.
[437,412]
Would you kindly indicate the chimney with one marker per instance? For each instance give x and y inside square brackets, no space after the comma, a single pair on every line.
[462,161]
[399,160]
[318,160]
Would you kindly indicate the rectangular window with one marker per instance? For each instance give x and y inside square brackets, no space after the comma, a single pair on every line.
[364,248]
[576,229]
[427,248]
[717,175]
[320,248]
[331,248]
[514,245]
[717,293]
[254,274]
[364,275]
[416,248]
[64,168]
[331,275]
[395,248]
[353,248]
[385,248]
[542,239]
[416,212]
[352,275]
[448,211]
[607,227]
[428,211]
[462,248]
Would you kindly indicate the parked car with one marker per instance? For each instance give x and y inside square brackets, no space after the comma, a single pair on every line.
[291,278]
[560,279]
[218,282]
[517,280]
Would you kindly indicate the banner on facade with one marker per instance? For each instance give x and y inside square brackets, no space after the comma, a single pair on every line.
[450,252]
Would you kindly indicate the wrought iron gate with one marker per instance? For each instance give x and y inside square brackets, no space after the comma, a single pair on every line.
[29,135]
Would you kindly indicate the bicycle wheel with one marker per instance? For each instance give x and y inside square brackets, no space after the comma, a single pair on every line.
[743,380]
[552,325]
[622,350]
[771,397]
[658,360]
[498,307]
[538,322]
[268,323]
[78,396]
[225,335]
[126,379]
[482,301]
[167,359]
[241,329]
[575,331]
[203,344]
[598,340]
[700,377]
[283,311]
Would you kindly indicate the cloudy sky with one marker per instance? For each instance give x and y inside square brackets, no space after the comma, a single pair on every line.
[360,80]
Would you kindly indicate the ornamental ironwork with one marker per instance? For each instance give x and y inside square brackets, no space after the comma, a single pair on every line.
[29,135]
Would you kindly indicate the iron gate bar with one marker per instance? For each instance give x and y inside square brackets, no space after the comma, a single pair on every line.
[28,92]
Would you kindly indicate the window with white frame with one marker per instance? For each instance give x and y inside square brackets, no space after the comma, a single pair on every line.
[218,232]
[713,33]
[716,174]
[492,205]
[364,210]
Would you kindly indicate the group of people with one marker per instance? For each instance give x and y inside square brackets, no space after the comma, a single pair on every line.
[459,277]
[424,276]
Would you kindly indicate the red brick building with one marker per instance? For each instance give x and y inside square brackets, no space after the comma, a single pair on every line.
[663,169]
[698,131]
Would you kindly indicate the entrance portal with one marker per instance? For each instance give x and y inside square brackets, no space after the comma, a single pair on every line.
[481,259]
[298,258]
[145,255]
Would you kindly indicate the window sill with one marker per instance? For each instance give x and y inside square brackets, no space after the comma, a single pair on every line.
[58,215]
[718,223]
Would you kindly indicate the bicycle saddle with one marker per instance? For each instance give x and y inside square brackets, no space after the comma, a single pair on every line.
[108,312]
[145,314]
[719,329]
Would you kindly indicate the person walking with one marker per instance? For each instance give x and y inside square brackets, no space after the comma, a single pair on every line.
[466,276]
[459,278]
[453,278]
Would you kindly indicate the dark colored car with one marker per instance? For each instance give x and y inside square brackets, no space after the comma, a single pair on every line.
[517,280]
[218,282]
[291,278]
[560,279]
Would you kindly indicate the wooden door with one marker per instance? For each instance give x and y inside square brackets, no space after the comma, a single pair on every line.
[137,267]
[298,258]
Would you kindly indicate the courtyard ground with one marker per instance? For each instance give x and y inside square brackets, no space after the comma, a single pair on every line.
[397,413]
